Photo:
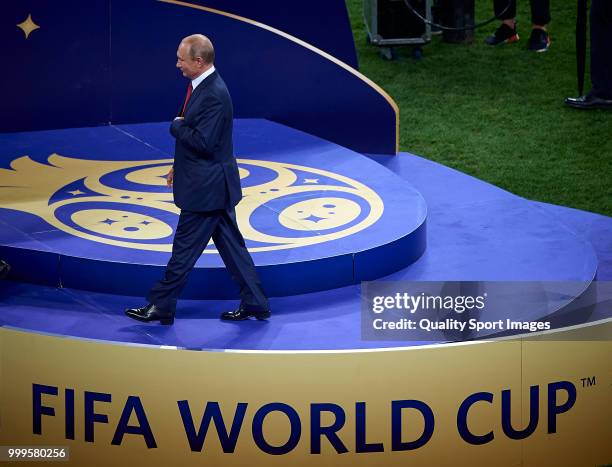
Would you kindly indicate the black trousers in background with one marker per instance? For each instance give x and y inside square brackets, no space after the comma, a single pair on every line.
[601,48]
[540,10]
[193,232]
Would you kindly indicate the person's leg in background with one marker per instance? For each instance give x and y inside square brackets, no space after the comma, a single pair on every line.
[601,49]
[600,96]
[539,40]
[506,32]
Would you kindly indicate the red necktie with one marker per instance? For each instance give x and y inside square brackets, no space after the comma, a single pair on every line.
[189,91]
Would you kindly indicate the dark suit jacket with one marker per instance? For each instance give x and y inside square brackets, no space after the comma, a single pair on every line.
[205,170]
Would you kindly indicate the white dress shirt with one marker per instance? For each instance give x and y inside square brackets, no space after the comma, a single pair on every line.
[202,77]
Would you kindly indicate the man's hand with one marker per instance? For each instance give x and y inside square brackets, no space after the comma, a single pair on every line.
[177,122]
[170,177]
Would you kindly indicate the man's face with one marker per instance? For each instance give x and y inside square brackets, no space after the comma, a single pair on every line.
[191,68]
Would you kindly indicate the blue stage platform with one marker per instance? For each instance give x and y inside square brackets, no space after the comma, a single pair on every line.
[476,232]
[315,216]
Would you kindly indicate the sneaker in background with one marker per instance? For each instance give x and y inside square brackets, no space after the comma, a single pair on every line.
[539,40]
[503,35]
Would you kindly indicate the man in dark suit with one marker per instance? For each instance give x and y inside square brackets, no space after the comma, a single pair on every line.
[206,187]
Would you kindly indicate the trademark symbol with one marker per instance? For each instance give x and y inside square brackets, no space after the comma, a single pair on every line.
[588,382]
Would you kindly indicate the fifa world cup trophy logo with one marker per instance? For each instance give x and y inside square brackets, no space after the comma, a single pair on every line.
[127,204]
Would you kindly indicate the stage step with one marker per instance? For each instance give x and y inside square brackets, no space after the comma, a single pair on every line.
[88,208]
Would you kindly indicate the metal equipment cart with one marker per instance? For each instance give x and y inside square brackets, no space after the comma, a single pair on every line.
[390,23]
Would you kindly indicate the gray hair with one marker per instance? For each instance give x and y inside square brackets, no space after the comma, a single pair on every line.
[200,46]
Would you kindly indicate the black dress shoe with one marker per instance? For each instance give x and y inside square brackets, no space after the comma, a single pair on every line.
[150,313]
[589,102]
[245,313]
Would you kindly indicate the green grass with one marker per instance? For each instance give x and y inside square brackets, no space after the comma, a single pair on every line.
[497,113]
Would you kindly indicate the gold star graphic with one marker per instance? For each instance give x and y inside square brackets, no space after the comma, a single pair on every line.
[28,26]
[311,180]
[76,192]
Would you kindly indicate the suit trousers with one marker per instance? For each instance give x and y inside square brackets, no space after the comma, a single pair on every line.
[601,48]
[193,232]
[540,10]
